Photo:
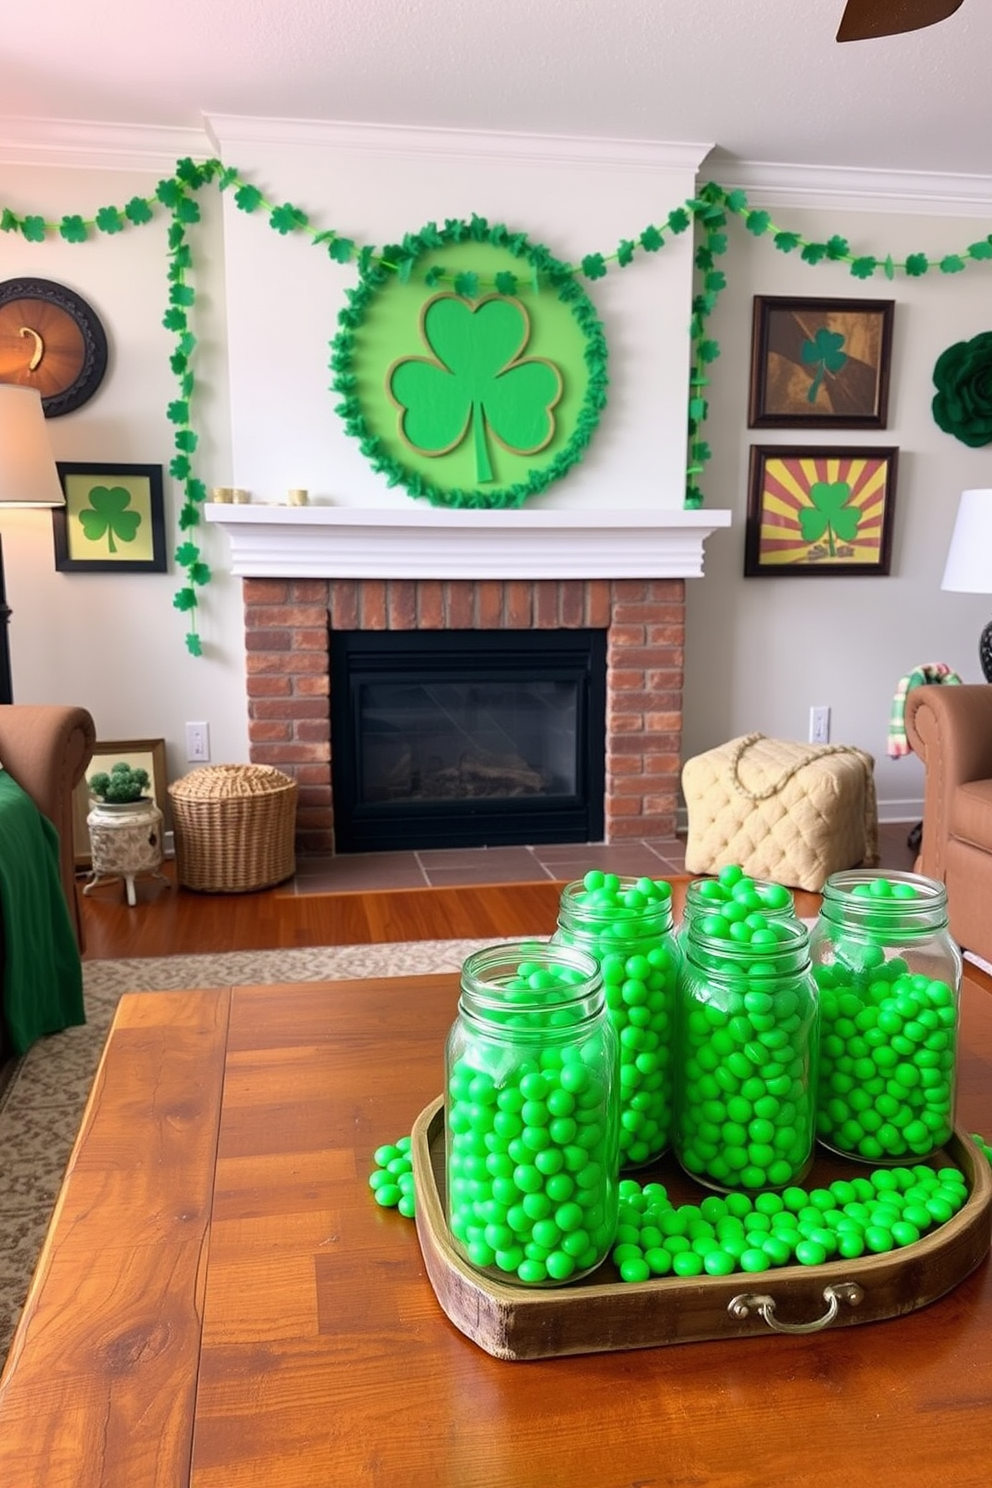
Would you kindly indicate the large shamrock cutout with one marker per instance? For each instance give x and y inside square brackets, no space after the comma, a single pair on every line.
[476,381]
[830,514]
[107,513]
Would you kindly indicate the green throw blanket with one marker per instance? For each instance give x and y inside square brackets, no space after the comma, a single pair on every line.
[42,990]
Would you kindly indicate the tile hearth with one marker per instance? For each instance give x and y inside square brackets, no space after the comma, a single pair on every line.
[658,858]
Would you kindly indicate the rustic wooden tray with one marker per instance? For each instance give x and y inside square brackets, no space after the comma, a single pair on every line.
[601,1313]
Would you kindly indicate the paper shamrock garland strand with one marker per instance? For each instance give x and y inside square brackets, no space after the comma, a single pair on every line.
[708,213]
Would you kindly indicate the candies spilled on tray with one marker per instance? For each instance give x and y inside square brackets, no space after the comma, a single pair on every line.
[627,925]
[849,1218]
[869,1214]
[889,979]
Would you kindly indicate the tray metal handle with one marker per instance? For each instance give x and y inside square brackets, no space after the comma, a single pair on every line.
[745,1303]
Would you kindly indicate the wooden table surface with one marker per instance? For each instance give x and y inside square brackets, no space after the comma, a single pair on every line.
[221,1303]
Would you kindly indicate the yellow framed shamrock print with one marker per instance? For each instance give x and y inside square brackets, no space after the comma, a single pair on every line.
[113,520]
[819,511]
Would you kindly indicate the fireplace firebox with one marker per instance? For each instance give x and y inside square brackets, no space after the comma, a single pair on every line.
[467,738]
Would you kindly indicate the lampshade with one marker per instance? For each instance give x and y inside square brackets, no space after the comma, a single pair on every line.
[28,476]
[968,569]
[969,558]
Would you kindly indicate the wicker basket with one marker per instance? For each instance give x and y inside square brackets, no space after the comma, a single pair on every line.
[234,828]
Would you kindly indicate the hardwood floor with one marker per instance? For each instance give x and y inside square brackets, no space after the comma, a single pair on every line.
[169,920]
[389,897]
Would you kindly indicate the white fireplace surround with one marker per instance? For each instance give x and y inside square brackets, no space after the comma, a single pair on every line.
[338,542]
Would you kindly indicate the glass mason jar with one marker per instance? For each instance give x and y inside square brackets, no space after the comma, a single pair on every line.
[889,977]
[531,1116]
[626,924]
[745,1103]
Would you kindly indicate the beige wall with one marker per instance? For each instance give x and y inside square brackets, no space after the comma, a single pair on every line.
[761,651]
[114,643]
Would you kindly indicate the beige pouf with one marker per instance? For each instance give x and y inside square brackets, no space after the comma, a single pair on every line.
[792,813]
[234,828]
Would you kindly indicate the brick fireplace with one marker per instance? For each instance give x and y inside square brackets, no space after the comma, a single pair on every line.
[287,624]
[307,571]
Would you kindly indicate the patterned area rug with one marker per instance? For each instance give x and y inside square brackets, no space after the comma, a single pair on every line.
[42,1102]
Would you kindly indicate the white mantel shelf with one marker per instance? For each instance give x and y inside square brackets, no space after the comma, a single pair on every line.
[338,542]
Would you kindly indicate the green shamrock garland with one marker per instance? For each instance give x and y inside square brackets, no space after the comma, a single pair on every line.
[709,213]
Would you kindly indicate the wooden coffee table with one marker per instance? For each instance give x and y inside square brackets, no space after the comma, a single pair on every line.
[221,1303]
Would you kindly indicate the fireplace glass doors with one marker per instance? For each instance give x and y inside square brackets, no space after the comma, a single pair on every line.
[467,738]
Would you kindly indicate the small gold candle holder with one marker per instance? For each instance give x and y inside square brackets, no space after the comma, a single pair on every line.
[298,497]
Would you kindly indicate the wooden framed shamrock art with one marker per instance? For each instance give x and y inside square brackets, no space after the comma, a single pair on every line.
[819,511]
[820,363]
[113,520]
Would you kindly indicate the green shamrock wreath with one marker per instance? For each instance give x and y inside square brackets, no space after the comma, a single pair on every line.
[962,405]
[471,364]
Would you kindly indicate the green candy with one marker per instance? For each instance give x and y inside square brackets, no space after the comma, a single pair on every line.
[985,1147]
[391,1179]
[890,1208]
[906,1068]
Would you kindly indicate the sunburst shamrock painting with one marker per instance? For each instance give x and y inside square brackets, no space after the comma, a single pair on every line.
[819,511]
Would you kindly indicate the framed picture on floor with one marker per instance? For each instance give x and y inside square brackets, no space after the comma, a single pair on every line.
[819,511]
[820,363]
[113,520]
[144,754]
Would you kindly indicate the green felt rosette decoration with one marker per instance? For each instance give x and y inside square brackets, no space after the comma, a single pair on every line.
[962,405]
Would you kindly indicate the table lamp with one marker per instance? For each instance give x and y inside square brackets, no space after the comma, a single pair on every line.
[28,477]
[969,559]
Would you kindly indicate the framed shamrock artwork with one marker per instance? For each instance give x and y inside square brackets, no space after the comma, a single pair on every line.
[819,511]
[820,363]
[113,520]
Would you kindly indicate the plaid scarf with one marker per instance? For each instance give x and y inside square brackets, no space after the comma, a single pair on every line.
[933,671]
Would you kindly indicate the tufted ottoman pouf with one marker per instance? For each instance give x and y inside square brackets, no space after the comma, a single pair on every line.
[792,813]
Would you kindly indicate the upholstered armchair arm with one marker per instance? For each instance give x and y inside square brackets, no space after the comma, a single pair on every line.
[46,748]
[950,728]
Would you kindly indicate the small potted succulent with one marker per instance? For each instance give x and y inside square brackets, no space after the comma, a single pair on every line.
[122,785]
[125,827]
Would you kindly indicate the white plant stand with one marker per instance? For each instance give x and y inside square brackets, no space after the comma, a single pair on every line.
[125,840]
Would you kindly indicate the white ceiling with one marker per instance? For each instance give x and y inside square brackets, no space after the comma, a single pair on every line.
[763,80]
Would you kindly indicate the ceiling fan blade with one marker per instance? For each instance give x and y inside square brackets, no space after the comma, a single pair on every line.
[863,19]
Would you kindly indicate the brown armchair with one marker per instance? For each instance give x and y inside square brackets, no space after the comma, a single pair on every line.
[46,748]
[950,728]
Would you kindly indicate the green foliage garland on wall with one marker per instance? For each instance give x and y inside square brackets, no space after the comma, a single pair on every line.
[709,213]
